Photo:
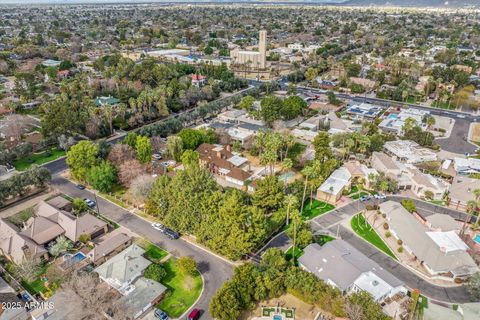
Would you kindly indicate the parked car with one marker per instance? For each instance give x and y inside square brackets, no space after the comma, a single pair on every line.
[90,203]
[80,186]
[159,314]
[194,315]
[380,196]
[171,234]
[158,226]
[157,156]
[365,197]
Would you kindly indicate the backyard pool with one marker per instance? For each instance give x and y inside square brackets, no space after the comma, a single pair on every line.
[70,260]
[392,116]
[277,317]
[477,238]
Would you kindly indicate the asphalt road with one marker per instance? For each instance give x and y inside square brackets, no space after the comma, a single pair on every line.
[214,270]
[330,223]
[456,142]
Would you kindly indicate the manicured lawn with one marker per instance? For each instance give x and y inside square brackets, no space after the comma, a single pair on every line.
[442,105]
[36,286]
[183,290]
[37,158]
[353,190]
[367,233]
[290,254]
[318,208]
[154,253]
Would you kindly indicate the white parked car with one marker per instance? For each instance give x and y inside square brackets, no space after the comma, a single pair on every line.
[380,196]
[157,156]
[158,226]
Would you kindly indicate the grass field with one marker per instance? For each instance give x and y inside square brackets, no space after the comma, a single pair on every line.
[152,252]
[183,290]
[318,208]
[366,232]
[321,240]
[37,158]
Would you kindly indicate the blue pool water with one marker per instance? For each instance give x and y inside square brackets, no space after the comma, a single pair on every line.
[77,257]
[392,116]
[477,238]
[277,317]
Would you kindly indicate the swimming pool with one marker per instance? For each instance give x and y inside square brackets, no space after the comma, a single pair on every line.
[79,256]
[277,317]
[392,116]
[477,238]
[70,260]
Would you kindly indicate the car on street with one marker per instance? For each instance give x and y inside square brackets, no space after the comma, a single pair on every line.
[194,315]
[80,186]
[379,196]
[159,314]
[171,234]
[158,226]
[90,203]
[365,197]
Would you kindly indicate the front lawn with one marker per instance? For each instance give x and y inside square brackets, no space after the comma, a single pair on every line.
[183,290]
[318,208]
[322,239]
[38,159]
[359,194]
[154,253]
[365,230]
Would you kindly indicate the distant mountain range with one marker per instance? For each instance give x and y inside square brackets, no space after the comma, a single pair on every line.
[415,3]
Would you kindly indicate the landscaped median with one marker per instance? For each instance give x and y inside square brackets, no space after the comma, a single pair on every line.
[365,230]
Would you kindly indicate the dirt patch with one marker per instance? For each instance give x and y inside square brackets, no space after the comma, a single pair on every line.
[189,283]
[475,133]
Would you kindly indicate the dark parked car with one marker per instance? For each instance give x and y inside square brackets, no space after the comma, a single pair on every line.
[159,314]
[171,234]
[194,315]
[80,186]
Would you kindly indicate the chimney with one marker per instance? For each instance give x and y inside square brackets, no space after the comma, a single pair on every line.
[229,148]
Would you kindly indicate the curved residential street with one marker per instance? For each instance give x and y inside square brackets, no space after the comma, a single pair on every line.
[331,222]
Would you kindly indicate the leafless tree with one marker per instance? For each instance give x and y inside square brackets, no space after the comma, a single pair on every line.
[120,153]
[141,186]
[354,311]
[129,170]
[28,268]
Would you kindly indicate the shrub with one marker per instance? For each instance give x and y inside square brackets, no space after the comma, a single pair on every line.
[379,212]
[385,226]
[84,238]
[187,265]
[384,215]
[400,249]
[409,205]
[154,272]
[370,207]
[388,234]
[399,242]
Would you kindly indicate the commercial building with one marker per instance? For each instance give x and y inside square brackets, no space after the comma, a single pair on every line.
[344,267]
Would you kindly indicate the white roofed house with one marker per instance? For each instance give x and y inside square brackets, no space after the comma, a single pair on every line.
[331,190]
[466,166]
[442,253]
[409,151]
[344,267]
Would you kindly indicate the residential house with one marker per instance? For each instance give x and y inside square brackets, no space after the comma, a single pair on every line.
[198,80]
[461,190]
[408,176]
[9,296]
[224,163]
[344,267]
[124,272]
[408,151]
[110,101]
[108,246]
[48,224]
[443,254]
[395,121]
[331,190]
[364,111]
[466,166]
